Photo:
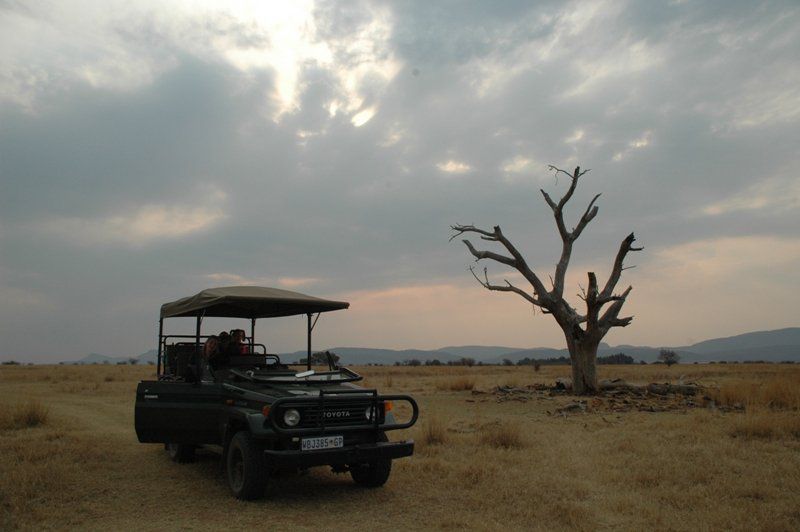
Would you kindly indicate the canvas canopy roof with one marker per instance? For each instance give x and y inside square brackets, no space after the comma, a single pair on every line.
[248,302]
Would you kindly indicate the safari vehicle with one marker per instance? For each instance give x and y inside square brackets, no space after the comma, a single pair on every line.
[265,415]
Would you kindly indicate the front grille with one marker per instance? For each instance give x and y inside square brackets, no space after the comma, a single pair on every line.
[334,414]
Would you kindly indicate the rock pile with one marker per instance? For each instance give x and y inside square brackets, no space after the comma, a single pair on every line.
[614,396]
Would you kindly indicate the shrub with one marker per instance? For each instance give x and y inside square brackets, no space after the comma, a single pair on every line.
[668,357]
[434,432]
[502,436]
[457,385]
[27,415]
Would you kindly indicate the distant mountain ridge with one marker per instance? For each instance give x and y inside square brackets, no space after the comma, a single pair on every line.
[771,346]
[752,340]
[95,358]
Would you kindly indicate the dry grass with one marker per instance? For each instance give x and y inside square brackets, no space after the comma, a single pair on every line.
[479,464]
[779,393]
[434,431]
[458,384]
[23,416]
[504,435]
[758,423]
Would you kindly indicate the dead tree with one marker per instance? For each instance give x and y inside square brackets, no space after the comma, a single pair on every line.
[583,332]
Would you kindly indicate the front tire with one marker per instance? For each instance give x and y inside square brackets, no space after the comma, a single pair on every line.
[245,467]
[372,474]
[180,452]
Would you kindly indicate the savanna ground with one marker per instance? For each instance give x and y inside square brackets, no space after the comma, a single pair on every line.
[69,458]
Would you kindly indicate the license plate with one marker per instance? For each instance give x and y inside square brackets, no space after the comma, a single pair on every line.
[324,442]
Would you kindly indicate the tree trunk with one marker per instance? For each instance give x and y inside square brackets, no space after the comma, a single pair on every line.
[584,368]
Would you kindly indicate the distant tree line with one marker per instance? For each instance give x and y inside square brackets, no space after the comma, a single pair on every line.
[320,358]
[668,357]
[464,361]
[619,358]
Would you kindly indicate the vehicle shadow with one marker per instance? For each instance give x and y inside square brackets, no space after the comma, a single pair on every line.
[318,484]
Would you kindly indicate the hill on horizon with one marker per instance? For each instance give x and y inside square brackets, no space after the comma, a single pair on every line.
[770,346]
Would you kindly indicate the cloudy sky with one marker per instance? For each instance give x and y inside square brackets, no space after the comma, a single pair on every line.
[149,150]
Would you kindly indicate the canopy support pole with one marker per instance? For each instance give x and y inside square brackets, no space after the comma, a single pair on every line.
[310,328]
[252,336]
[160,336]
[308,355]
[197,334]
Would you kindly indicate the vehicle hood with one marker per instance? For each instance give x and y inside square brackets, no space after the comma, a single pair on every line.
[291,390]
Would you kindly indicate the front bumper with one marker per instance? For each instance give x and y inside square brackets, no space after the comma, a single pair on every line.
[353,454]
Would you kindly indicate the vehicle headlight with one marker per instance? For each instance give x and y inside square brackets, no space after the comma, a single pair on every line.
[291,417]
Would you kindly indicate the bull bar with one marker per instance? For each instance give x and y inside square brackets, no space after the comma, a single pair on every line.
[333,397]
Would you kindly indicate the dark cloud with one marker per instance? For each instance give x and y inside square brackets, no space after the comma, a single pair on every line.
[676,108]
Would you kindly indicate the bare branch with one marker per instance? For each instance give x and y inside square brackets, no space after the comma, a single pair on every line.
[616,271]
[515,261]
[549,200]
[562,229]
[567,238]
[499,288]
[561,267]
[573,182]
[582,295]
[461,229]
[592,307]
[574,175]
[510,287]
[591,212]
[622,322]
[508,261]
[610,316]
[601,300]
[521,264]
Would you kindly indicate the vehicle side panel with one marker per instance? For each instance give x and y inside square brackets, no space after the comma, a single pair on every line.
[179,412]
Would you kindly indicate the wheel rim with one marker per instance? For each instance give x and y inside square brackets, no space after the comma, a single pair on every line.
[236,470]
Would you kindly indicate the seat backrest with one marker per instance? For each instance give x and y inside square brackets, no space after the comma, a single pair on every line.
[182,359]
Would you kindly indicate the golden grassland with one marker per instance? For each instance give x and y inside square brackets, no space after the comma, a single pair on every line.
[70,459]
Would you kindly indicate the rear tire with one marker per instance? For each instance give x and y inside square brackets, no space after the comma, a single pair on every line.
[244,464]
[181,453]
[372,474]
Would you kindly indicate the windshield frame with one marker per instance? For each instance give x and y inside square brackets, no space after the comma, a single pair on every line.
[289,377]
